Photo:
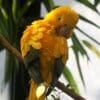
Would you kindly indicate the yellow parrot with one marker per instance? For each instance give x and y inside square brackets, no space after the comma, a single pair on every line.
[45,50]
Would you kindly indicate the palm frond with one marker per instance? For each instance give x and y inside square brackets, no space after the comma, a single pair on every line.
[78,48]
[91,38]
[96,2]
[87,20]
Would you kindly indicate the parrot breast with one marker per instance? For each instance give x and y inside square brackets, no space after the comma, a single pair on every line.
[53,47]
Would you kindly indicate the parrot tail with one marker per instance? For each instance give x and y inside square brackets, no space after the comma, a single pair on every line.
[37,92]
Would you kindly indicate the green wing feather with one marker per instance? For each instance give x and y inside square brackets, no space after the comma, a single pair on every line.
[58,69]
[32,64]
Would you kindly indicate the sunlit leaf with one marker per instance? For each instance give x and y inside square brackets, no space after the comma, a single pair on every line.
[7,5]
[68,75]
[3,22]
[14,9]
[90,37]
[4,13]
[92,47]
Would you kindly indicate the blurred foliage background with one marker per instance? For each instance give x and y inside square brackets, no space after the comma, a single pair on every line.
[15,15]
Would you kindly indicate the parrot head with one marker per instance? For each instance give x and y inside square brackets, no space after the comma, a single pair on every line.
[63,19]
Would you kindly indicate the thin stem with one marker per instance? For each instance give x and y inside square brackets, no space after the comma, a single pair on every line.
[8,46]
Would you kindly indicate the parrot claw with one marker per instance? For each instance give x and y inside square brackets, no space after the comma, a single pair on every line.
[41,89]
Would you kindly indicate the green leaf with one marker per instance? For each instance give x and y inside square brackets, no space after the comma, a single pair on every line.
[92,48]
[14,9]
[8,67]
[3,30]
[78,65]
[3,22]
[87,20]
[30,14]
[0,3]
[4,13]
[77,47]
[49,4]
[96,2]
[68,75]
[1,47]
[7,5]
[11,64]
[24,8]
[87,35]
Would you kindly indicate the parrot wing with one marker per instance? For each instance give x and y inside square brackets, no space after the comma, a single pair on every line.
[30,46]
[58,68]
[32,64]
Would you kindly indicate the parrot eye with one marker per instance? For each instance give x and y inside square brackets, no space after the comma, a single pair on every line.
[59,18]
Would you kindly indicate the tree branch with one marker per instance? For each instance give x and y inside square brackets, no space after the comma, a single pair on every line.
[68,91]
[59,85]
[11,49]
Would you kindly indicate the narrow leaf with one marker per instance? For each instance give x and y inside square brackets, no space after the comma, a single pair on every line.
[30,14]
[8,67]
[87,20]
[3,30]
[4,13]
[14,9]
[0,3]
[88,35]
[77,47]
[7,5]
[78,65]
[92,48]
[3,22]
[96,2]
[25,7]
[68,75]
[1,48]
[49,4]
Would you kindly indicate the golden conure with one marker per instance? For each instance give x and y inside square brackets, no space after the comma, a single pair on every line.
[45,50]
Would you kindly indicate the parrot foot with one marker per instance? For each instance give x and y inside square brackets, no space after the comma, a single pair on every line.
[41,89]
